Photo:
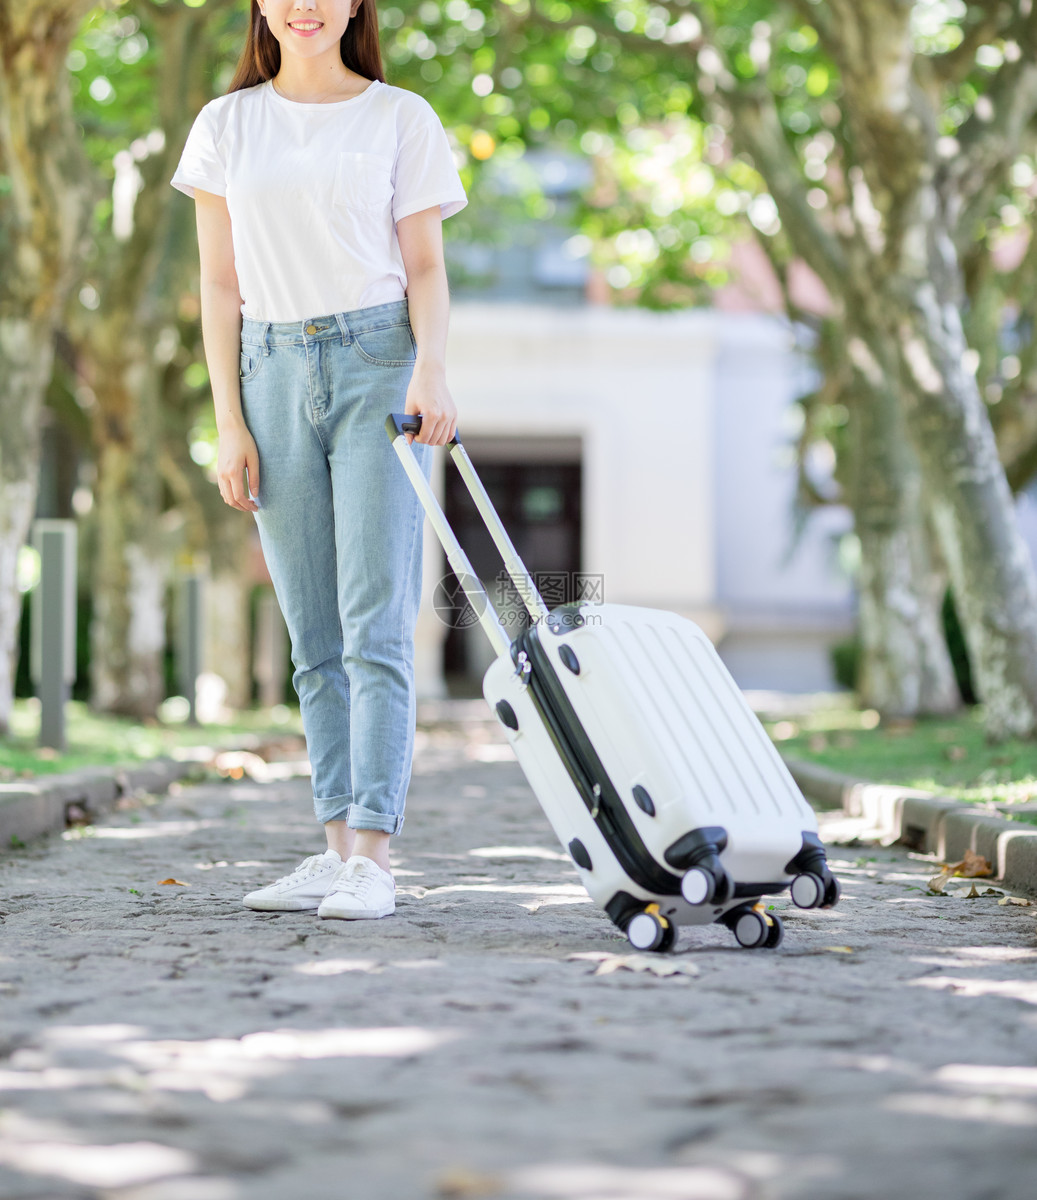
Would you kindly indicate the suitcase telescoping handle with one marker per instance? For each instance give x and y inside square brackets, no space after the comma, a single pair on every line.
[397,425]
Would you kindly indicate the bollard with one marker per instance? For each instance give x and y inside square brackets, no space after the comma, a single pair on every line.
[52,658]
[190,638]
[270,657]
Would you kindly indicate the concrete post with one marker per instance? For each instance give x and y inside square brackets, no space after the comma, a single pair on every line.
[190,639]
[52,658]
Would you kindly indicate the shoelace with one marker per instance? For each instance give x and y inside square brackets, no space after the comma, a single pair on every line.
[358,882]
[308,866]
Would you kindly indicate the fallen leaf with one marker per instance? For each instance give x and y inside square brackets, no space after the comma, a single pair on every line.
[939,882]
[459,1183]
[655,964]
[838,949]
[236,764]
[177,882]
[973,865]
[1021,901]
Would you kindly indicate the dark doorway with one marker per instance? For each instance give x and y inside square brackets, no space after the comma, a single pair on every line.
[535,486]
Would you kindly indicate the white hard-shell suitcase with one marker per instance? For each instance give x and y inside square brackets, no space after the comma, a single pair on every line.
[651,767]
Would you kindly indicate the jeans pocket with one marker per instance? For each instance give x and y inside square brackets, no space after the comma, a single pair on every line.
[390,346]
[251,361]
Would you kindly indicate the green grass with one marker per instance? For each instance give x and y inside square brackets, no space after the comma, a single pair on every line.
[947,756]
[98,741]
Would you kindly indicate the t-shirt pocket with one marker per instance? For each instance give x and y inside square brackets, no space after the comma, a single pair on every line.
[363,181]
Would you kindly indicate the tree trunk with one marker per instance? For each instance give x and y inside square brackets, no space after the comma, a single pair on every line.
[899,283]
[220,536]
[992,573]
[227,635]
[128,633]
[43,209]
[137,282]
[906,670]
[26,355]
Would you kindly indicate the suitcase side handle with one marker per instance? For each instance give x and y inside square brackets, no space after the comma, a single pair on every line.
[399,423]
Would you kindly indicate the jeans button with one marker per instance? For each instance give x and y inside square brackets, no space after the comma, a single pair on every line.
[311,328]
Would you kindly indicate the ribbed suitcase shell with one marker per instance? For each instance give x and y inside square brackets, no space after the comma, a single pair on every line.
[662,712]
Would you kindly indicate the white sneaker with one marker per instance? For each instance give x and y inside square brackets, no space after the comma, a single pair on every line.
[361,890]
[303,889]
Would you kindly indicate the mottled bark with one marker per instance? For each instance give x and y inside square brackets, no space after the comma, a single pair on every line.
[228,641]
[127,635]
[992,573]
[43,208]
[220,537]
[905,668]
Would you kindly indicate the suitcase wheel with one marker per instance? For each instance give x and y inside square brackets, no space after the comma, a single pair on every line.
[808,890]
[832,892]
[775,933]
[754,928]
[706,885]
[697,886]
[649,930]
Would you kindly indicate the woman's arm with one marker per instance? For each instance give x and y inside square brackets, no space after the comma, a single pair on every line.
[221,335]
[421,243]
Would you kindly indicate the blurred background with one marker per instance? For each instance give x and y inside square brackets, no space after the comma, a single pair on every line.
[742,327]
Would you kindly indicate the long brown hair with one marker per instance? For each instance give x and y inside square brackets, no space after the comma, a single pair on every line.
[261,58]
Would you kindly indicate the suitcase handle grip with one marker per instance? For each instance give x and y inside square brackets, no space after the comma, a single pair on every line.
[411,423]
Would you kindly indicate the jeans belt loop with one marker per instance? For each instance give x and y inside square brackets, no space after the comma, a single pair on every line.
[343,328]
[266,330]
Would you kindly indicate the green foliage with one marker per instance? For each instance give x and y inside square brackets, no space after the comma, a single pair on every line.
[950,756]
[630,83]
[111,63]
[846,661]
[955,638]
[95,740]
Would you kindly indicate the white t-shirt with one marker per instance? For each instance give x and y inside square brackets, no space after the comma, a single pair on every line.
[314,192]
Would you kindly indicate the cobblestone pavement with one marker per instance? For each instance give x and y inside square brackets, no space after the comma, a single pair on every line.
[159,1042]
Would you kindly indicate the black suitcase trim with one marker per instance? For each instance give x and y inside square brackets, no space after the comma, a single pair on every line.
[585,769]
[759,889]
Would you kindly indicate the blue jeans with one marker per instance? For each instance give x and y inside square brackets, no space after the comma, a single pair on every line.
[341,529]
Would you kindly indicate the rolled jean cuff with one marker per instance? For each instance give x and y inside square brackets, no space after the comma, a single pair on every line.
[366,818]
[332,808]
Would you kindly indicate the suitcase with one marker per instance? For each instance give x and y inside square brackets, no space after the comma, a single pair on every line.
[650,765]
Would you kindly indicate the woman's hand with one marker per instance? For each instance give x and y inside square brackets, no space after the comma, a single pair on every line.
[238,454]
[428,395]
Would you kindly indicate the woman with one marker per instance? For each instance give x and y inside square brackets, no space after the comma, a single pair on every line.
[320,193]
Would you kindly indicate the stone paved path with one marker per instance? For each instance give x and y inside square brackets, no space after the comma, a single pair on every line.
[162,1043]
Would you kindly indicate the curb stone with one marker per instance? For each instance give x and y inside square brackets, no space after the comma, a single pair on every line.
[926,822]
[31,808]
